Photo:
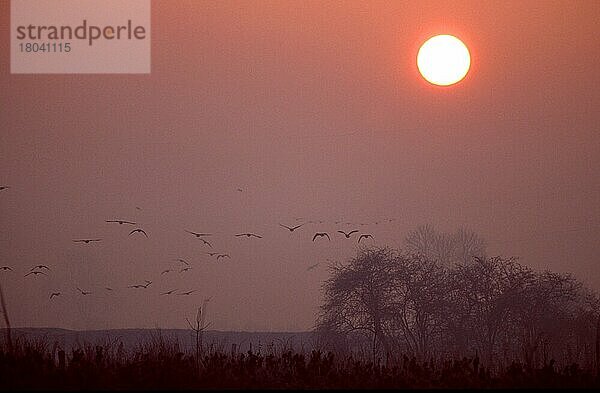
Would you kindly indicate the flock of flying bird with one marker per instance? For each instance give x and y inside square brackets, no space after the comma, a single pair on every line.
[43,269]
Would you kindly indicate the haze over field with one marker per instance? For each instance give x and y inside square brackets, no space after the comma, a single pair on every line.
[316,112]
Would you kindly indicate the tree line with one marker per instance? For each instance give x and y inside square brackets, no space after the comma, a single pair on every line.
[441,296]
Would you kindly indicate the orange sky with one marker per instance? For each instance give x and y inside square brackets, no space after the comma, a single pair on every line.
[316,110]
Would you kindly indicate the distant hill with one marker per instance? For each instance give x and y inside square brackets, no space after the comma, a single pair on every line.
[132,338]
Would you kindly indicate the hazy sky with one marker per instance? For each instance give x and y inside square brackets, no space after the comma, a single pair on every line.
[317,111]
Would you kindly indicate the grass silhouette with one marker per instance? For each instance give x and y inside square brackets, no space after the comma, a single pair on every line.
[160,363]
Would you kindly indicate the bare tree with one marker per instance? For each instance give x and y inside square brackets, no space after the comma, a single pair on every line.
[422,240]
[485,294]
[544,311]
[446,248]
[199,328]
[494,306]
[467,245]
[397,298]
[418,302]
[357,296]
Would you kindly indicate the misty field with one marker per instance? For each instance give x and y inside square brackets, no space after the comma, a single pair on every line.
[389,319]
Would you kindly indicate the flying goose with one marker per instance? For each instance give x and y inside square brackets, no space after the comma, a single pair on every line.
[206,243]
[291,229]
[35,273]
[321,234]
[248,235]
[121,222]
[349,233]
[83,292]
[138,230]
[198,234]
[40,267]
[364,236]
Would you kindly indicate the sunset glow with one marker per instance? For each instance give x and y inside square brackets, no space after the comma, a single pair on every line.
[299,195]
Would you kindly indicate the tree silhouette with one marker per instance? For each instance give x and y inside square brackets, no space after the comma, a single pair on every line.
[447,248]
[419,301]
[199,328]
[358,296]
[409,303]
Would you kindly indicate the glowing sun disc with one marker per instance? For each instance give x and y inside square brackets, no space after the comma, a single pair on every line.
[443,60]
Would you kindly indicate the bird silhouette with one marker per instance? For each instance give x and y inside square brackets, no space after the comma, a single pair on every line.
[137,286]
[321,234]
[223,256]
[165,271]
[40,267]
[86,241]
[138,230]
[212,254]
[2,188]
[349,233]
[198,234]
[239,190]
[5,268]
[248,235]
[206,243]
[364,236]
[54,294]
[187,293]
[83,292]
[185,269]
[108,288]
[35,273]
[182,261]
[169,292]
[291,229]
[311,267]
[121,222]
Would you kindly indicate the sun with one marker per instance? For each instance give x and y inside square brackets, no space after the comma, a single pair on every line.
[443,60]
